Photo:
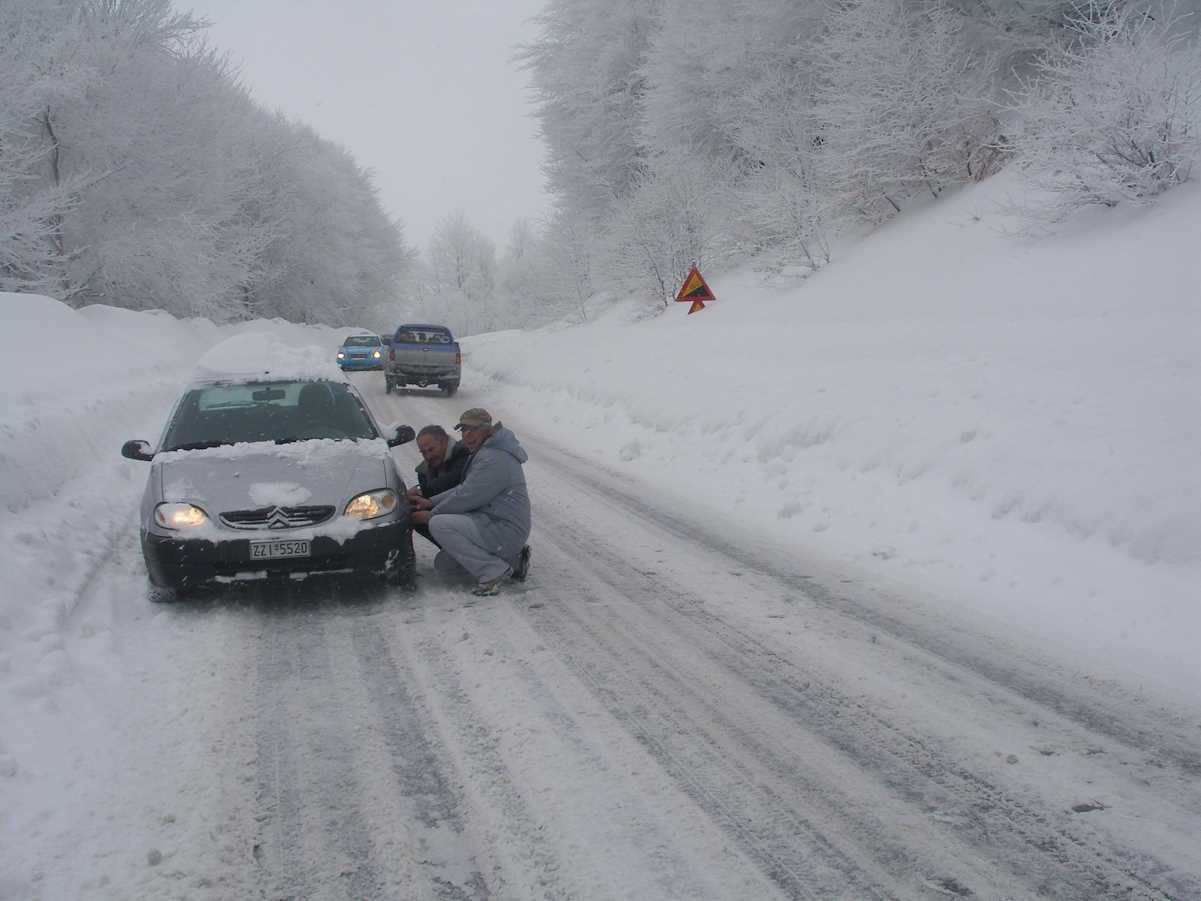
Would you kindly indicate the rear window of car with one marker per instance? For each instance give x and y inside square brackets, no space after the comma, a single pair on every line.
[361,341]
[420,336]
[279,411]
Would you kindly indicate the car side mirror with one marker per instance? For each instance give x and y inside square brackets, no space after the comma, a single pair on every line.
[137,450]
[404,434]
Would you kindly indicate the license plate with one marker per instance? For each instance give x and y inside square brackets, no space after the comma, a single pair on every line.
[273,550]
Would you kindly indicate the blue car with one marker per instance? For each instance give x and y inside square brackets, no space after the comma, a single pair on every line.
[362,352]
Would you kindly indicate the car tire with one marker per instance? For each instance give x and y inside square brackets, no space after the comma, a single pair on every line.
[387,386]
[403,572]
[449,388]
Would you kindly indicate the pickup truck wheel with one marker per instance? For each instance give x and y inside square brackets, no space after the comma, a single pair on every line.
[387,386]
[449,388]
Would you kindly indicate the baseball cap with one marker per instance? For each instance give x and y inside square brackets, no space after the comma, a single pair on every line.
[474,418]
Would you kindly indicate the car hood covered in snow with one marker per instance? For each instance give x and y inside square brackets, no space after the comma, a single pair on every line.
[253,476]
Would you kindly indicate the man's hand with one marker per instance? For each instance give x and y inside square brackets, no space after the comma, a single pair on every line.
[417,502]
[415,491]
[420,517]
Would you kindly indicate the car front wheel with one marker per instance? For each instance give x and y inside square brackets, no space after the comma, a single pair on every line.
[400,570]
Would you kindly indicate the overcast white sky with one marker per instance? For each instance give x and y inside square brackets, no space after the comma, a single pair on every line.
[423,94]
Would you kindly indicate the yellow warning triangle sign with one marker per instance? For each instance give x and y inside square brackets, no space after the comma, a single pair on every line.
[694,290]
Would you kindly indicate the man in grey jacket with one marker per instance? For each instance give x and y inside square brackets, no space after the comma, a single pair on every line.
[483,522]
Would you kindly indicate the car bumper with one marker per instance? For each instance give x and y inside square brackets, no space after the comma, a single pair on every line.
[174,562]
[421,376]
[360,364]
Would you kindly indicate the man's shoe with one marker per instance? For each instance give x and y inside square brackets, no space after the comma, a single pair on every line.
[521,570]
[487,589]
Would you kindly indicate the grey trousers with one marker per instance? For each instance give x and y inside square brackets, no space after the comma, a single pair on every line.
[463,551]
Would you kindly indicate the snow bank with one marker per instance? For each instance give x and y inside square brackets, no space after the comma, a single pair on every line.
[75,384]
[73,379]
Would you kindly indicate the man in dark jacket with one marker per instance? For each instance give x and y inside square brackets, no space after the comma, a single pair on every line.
[482,523]
[440,470]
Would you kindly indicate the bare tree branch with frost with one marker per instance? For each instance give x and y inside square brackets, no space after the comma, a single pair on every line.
[1114,112]
[904,101]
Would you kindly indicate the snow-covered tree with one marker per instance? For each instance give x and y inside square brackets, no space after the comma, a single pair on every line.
[707,57]
[41,66]
[678,215]
[784,200]
[462,261]
[520,275]
[586,74]
[337,253]
[1114,112]
[570,251]
[135,171]
[903,101]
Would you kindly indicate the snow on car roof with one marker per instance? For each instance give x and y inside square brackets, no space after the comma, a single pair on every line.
[263,355]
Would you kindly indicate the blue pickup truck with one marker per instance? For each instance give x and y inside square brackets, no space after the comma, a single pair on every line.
[423,355]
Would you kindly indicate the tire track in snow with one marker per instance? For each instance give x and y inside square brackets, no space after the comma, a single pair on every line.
[314,842]
[594,792]
[1074,864]
[1128,721]
[511,852]
[772,810]
[417,762]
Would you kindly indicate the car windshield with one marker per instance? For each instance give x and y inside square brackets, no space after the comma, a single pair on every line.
[279,411]
[361,341]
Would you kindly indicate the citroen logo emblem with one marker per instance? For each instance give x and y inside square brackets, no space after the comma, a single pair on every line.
[277,519]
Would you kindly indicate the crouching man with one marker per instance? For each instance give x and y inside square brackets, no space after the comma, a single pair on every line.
[482,524]
[441,469]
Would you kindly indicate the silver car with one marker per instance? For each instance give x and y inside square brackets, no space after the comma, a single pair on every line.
[261,477]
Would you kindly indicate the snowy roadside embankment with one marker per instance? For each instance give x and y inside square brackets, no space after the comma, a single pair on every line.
[999,425]
[77,383]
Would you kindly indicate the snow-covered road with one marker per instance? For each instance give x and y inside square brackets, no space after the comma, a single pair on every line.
[661,711]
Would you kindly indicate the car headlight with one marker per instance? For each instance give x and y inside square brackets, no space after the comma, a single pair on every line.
[376,355]
[372,504]
[341,356]
[179,516]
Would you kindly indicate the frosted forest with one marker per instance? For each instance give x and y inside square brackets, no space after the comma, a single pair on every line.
[137,171]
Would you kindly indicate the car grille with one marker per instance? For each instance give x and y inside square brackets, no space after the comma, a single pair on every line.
[276,517]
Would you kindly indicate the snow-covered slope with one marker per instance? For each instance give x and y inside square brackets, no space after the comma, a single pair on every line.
[1003,424]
